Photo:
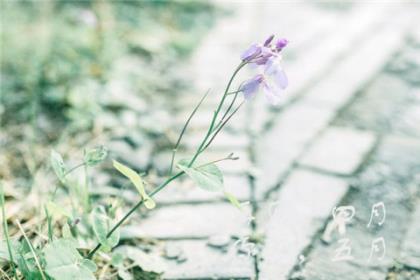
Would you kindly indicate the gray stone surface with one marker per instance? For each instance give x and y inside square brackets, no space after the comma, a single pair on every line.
[339,150]
[187,221]
[389,180]
[410,251]
[204,262]
[280,147]
[360,113]
[303,203]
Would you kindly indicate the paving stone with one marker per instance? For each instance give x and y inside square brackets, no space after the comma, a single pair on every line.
[371,111]
[303,203]
[136,158]
[190,221]
[204,262]
[410,251]
[339,150]
[408,124]
[400,156]
[186,191]
[314,62]
[280,147]
[339,87]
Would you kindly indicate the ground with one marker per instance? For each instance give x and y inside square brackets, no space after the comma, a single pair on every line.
[347,133]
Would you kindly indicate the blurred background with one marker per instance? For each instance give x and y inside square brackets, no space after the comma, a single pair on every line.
[126,75]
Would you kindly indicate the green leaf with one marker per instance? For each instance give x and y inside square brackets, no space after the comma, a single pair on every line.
[57,210]
[95,155]
[137,181]
[101,224]
[58,165]
[208,177]
[117,259]
[89,265]
[66,231]
[233,200]
[14,247]
[64,262]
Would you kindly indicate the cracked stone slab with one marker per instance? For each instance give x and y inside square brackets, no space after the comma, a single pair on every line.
[200,261]
[304,202]
[389,178]
[339,150]
[339,87]
[284,142]
[410,252]
[190,221]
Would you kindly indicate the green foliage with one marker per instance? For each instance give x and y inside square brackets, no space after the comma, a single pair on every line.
[64,262]
[208,176]
[95,156]
[58,165]
[233,200]
[101,225]
[137,181]
[58,211]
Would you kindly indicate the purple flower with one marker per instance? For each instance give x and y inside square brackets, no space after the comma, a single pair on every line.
[250,87]
[252,52]
[281,43]
[273,81]
[260,54]
[268,40]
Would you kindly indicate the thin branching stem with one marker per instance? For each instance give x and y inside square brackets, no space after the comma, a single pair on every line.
[184,129]
[67,173]
[200,149]
[216,113]
[38,264]
[221,127]
[133,209]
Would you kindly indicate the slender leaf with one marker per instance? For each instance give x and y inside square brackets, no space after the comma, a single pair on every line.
[208,177]
[137,181]
[233,200]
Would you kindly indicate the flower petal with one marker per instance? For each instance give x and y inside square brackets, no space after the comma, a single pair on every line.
[250,87]
[280,79]
[271,94]
[253,51]
[281,43]
[268,40]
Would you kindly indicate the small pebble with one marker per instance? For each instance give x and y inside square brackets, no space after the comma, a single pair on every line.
[173,252]
[219,241]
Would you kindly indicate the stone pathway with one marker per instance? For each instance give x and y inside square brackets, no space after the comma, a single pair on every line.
[345,134]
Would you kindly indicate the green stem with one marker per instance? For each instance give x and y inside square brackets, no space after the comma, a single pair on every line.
[67,173]
[38,264]
[6,232]
[216,113]
[218,129]
[197,153]
[134,208]
[178,142]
